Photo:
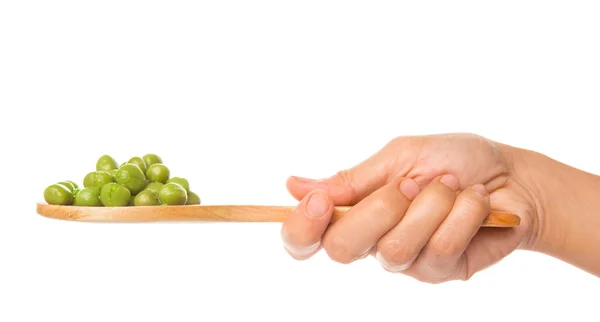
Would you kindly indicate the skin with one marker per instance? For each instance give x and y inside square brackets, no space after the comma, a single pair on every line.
[418,204]
[154,186]
[68,184]
[180,181]
[139,162]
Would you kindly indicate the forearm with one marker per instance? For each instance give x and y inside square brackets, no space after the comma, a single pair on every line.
[568,214]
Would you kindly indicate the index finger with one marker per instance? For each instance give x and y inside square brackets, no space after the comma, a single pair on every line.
[347,187]
[303,228]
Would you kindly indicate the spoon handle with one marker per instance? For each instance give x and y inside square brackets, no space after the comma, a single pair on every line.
[218,213]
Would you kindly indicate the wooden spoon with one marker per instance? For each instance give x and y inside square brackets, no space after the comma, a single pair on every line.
[220,213]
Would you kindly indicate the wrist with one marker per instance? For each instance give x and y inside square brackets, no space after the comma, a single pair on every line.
[526,178]
[564,199]
[541,178]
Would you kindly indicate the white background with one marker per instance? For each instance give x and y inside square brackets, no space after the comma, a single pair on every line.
[238,95]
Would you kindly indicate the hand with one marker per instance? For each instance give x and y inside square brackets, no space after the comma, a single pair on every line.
[418,204]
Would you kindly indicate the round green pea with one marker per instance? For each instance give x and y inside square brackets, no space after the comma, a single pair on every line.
[97,179]
[151,159]
[139,162]
[115,195]
[113,173]
[158,172]
[132,177]
[106,163]
[146,198]
[172,194]
[155,186]
[193,199]
[180,181]
[88,197]
[73,183]
[57,194]
[68,185]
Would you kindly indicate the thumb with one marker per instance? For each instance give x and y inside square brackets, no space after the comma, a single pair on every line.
[347,187]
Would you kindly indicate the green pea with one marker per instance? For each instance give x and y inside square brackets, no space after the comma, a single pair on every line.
[73,183]
[115,195]
[154,186]
[139,162]
[180,181]
[132,177]
[172,194]
[151,159]
[146,198]
[68,185]
[106,163]
[193,199]
[113,173]
[57,194]
[89,197]
[97,179]
[158,172]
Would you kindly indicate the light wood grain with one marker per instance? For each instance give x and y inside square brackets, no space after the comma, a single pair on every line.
[219,213]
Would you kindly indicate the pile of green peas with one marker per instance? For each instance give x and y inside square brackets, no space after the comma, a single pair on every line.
[141,181]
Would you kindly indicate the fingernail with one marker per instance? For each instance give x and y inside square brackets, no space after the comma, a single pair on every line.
[480,189]
[317,205]
[386,264]
[409,188]
[450,181]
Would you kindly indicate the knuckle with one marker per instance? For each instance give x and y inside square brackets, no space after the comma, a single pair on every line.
[471,203]
[336,248]
[396,252]
[443,249]
[342,177]
[382,209]
[438,196]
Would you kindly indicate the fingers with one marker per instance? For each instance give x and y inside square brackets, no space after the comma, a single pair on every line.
[349,186]
[356,233]
[398,248]
[490,245]
[302,229]
[345,187]
[441,257]
[433,235]
[452,237]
